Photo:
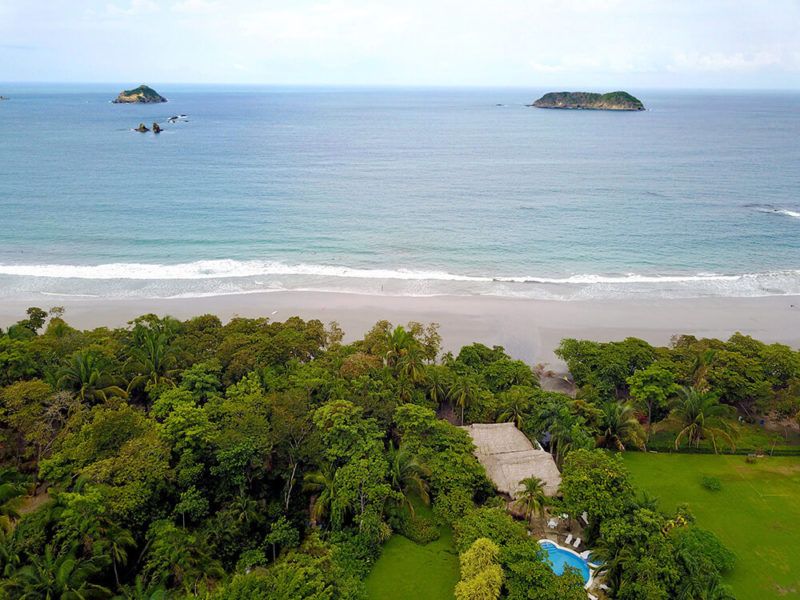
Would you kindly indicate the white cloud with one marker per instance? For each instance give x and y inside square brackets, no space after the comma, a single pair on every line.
[196,7]
[718,61]
[472,42]
[133,8]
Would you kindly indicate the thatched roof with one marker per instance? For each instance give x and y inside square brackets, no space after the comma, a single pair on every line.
[509,457]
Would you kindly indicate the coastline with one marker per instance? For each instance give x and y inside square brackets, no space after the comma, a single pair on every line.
[528,329]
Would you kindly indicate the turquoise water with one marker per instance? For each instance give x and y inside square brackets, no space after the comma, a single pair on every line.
[560,558]
[397,191]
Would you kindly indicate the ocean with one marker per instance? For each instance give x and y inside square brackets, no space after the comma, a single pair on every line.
[396,191]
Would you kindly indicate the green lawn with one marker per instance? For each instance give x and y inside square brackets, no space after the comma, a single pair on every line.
[408,570]
[756,513]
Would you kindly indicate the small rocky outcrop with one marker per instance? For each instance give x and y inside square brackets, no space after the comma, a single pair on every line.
[156,128]
[142,128]
[589,101]
[140,95]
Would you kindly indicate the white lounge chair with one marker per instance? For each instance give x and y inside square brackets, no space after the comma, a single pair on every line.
[585,554]
[576,543]
[552,524]
[568,541]
[604,587]
[592,597]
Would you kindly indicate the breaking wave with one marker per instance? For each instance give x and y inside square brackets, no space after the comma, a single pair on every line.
[224,269]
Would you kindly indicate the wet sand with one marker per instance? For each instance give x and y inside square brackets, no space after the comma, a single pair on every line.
[528,329]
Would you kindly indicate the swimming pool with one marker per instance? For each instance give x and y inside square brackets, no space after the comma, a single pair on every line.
[561,557]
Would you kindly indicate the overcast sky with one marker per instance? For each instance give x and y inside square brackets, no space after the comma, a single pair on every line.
[534,43]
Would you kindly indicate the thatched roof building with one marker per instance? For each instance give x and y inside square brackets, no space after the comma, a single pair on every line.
[509,457]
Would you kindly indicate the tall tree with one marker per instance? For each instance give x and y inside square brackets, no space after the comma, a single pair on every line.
[65,576]
[86,375]
[531,498]
[152,361]
[407,476]
[619,426]
[463,392]
[699,415]
[322,484]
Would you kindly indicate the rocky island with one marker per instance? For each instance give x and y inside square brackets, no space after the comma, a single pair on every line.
[589,101]
[140,95]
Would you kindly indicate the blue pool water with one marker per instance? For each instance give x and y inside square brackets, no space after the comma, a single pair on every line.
[560,558]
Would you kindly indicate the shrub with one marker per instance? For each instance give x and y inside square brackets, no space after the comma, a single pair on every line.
[481,575]
[419,529]
[712,484]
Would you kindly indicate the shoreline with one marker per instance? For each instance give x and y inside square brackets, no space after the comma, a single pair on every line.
[528,329]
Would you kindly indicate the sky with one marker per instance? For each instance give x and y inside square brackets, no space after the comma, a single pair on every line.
[598,44]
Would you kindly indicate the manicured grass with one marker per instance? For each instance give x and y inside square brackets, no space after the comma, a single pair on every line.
[408,570]
[756,513]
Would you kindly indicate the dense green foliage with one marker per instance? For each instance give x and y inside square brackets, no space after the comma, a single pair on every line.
[588,100]
[250,459]
[694,388]
[172,459]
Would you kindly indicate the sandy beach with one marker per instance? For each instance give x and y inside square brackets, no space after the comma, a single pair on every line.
[528,329]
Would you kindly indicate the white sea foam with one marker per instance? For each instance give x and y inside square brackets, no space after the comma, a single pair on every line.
[221,269]
[228,268]
[776,211]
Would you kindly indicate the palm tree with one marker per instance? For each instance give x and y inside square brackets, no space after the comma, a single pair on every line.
[411,364]
[531,498]
[515,407]
[10,557]
[614,559]
[699,583]
[699,415]
[13,489]
[152,360]
[398,341]
[437,383]
[405,390]
[180,559]
[322,484]
[619,426]
[245,509]
[85,374]
[647,501]
[404,354]
[115,543]
[60,576]
[702,362]
[140,591]
[566,431]
[463,392]
[407,476]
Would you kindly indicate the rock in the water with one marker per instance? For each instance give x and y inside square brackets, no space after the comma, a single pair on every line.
[142,128]
[589,101]
[141,95]
[156,128]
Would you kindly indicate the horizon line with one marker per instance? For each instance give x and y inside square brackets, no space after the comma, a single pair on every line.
[356,85]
